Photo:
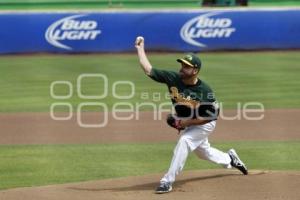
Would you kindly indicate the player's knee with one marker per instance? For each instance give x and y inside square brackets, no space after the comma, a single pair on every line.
[204,150]
[184,140]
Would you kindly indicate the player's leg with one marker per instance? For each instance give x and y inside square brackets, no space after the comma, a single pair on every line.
[180,155]
[227,160]
[189,140]
[206,152]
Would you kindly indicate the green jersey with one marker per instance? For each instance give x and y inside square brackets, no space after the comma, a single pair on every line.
[188,100]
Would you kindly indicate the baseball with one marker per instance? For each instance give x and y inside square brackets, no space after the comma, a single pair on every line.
[139,39]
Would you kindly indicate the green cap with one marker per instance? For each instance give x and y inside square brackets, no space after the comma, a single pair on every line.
[191,60]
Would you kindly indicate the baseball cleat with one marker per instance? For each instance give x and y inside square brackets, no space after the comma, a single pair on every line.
[236,162]
[163,188]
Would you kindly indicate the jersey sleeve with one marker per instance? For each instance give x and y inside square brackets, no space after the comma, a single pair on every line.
[163,76]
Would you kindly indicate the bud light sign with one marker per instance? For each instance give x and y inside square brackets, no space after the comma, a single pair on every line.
[206,26]
[71,28]
[163,30]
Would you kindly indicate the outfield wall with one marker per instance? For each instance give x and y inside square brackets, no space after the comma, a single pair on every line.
[197,30]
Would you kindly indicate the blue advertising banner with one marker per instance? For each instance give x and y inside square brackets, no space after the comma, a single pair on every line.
[79,32]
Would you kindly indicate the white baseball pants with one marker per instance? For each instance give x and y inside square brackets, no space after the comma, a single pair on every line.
[195,138]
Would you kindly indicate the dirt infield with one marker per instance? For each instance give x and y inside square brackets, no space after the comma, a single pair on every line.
[39,128]
[206,185]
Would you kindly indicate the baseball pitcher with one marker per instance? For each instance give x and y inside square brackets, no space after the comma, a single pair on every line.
[195,118]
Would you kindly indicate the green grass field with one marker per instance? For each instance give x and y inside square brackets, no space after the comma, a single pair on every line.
[267,77]
[52,164]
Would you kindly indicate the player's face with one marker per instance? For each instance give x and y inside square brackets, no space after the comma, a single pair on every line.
[186,71]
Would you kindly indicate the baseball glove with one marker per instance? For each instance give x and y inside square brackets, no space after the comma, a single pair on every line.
[173,122]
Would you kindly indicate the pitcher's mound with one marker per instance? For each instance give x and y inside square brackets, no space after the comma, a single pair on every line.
[204,184]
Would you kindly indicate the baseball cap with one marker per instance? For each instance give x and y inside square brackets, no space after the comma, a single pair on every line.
[191,60]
